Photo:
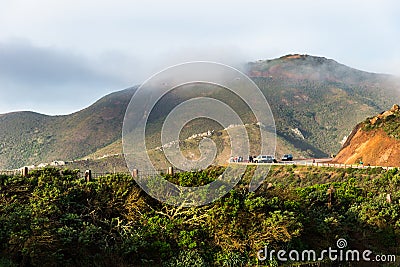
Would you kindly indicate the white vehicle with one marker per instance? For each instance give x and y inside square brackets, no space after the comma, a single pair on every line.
[265,159]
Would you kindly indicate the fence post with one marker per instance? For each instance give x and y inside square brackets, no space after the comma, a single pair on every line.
[88,175]
[170,170]
[135,173]
[388,198]
[329,193]
[24,172]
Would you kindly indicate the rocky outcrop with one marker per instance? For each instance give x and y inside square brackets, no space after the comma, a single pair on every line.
[370,144]
[383,115]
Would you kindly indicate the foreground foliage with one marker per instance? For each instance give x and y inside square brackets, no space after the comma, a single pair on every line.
[54,218]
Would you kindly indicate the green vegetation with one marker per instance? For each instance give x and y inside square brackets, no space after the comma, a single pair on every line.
[390,124]
[55,218]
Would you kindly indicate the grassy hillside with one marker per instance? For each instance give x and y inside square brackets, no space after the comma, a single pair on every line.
[29,138]
[315,102]
[25,137]
[55,218]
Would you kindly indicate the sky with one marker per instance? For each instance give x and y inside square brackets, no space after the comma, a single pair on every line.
[57,57]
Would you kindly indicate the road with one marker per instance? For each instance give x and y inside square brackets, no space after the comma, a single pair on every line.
[323,162]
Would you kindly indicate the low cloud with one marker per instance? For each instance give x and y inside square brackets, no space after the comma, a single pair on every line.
[29,64]
[54,81]
[42,78]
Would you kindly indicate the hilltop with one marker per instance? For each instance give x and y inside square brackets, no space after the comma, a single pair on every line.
[375,141]
[321,98]
[315,101]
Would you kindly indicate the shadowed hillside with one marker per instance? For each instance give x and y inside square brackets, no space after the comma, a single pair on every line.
[30,138]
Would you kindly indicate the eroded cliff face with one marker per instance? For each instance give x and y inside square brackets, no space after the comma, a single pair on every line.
[374,142]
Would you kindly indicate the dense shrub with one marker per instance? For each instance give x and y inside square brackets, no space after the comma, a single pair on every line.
[55,218]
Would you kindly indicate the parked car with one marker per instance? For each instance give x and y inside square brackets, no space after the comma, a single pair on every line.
[265,159]
[287,157]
